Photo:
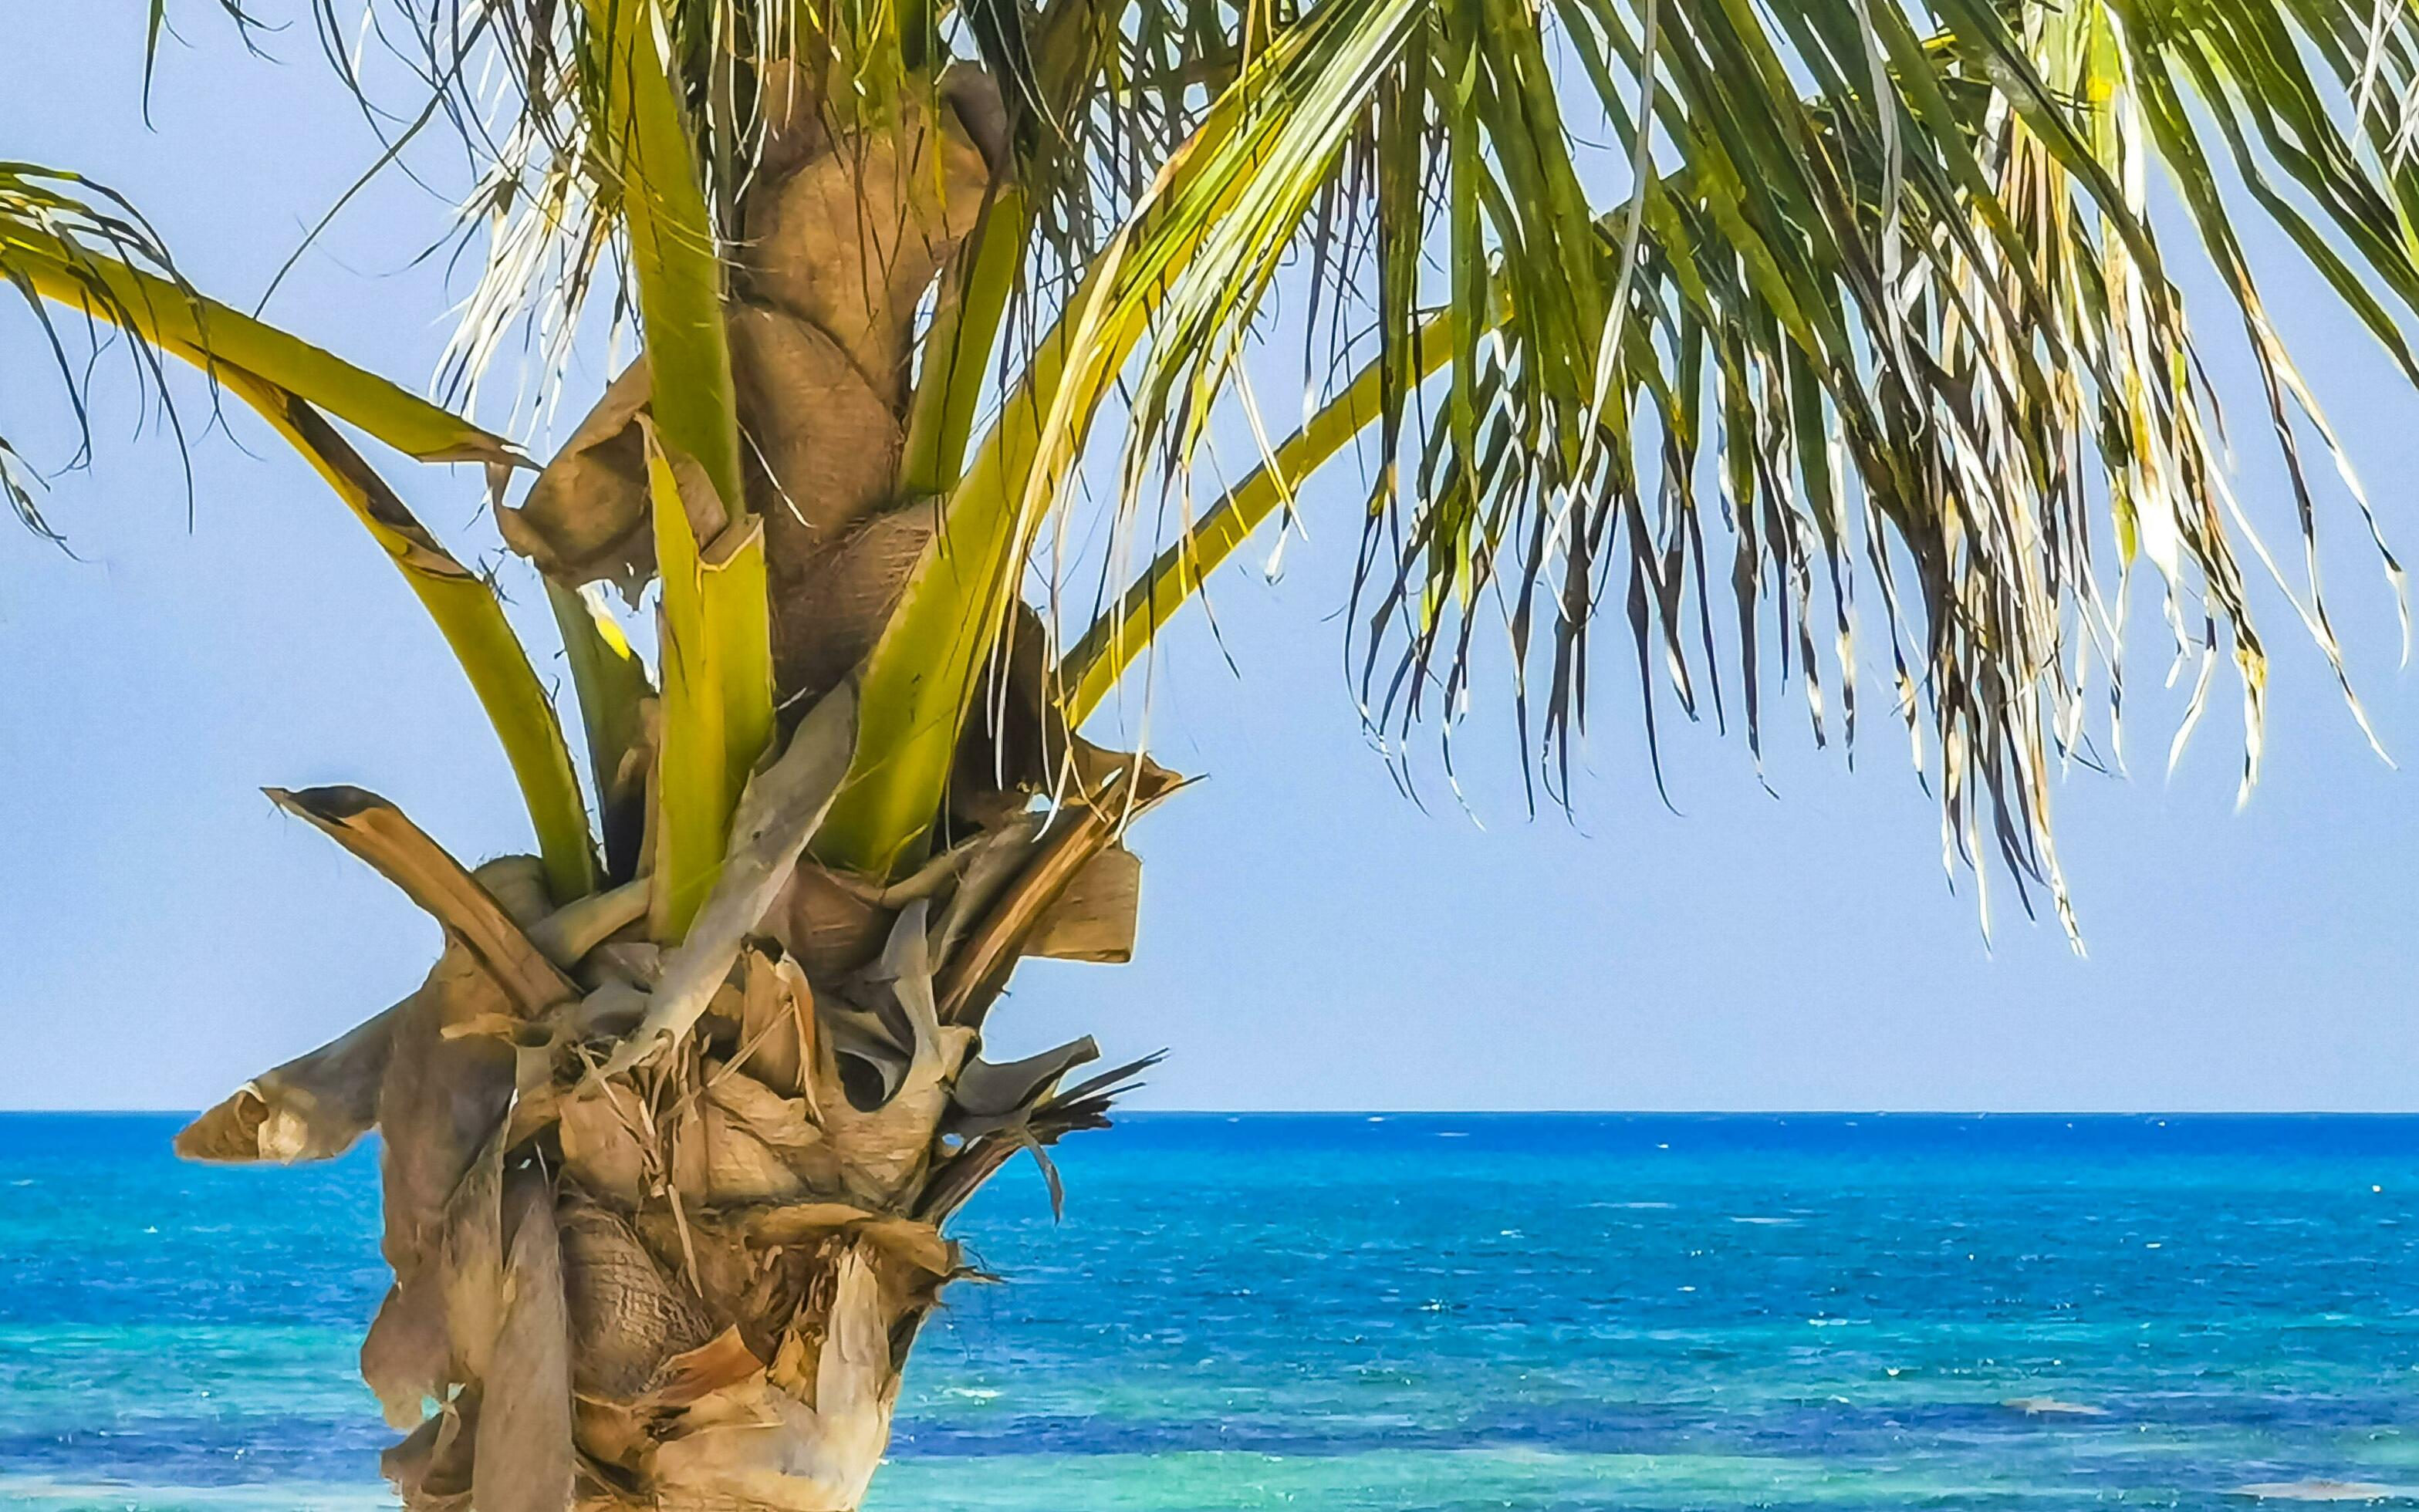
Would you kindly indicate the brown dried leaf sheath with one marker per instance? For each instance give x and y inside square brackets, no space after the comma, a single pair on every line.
[377,832]
[524,1445]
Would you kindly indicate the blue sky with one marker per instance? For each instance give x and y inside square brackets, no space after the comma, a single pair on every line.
[1311,939]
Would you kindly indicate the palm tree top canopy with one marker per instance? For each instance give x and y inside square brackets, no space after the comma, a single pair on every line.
[1761,329]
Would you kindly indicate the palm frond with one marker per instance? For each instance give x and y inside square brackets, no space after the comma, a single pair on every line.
[643,144]
[467,613]
[84,230]
[69,244]
[1910,326]
[1202,238]
[1783,305]
[718,703]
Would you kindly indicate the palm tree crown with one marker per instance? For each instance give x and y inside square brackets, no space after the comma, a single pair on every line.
[1878,284]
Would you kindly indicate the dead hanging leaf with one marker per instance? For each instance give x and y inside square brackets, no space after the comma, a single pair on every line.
[1094,918]
[470,1263]
[975,972]
[1081,1106]
[596,1124]
[722,1361]
[407,1352]
[784,1123]
[742,1446]
[313,1107]
[868,1057]
[1084,1106]
[777,1026]
[748,1143]
[793,1371]
[524,1455]
[989,1096]
[758,1444]
[881,1024]
[994,859]
[911,1241]
[740,1166]
[586,517]
[882,1147]
[493,1026]
[442,1099]
[854,1378]
[905,970]
[627,1316]
[617,1438]
[800,1223]
[914,1242]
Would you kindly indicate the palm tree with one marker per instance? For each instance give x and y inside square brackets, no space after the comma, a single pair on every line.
[1868,292]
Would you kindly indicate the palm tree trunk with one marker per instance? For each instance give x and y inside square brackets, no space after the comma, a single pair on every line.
[693,1283]
[695,1289]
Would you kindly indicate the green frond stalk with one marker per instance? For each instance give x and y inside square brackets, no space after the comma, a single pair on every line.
[646,156]
[718,680]
[468,614]
[62,241]
[613,687]
[958,351]
[1089,670]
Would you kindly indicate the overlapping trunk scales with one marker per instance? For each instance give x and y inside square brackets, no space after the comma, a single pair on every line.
[693,1283]
[840,245]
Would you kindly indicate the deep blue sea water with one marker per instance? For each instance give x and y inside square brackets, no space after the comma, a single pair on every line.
[1421,1312]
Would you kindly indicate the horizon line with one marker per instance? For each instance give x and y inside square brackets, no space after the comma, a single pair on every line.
[1382,1114]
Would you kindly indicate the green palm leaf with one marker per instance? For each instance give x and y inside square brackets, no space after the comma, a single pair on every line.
[66,241]
[1918,315]
[470,618]
[1805,300]
[55,245]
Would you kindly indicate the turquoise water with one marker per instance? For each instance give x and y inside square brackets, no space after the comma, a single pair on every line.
[1436,1312]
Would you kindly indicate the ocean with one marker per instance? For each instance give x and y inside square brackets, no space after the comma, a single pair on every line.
[1550,1313]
